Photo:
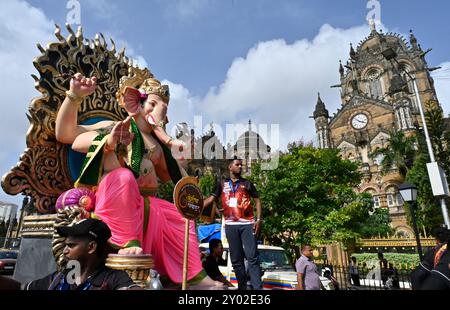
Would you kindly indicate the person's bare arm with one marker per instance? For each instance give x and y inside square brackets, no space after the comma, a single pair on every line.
[300,281]
[258,221]
[208,201]
[216,208]
[66,127]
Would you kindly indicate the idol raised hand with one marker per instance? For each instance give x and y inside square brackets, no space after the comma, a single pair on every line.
[82,86]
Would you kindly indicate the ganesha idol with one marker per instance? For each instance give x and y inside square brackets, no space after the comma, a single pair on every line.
[125,163]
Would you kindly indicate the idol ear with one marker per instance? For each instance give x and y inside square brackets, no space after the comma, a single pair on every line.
[131,100]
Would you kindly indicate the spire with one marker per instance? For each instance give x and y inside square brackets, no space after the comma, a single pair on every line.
[373,27]
[352,52]
[249,125]
[211,130]
[413,40]
[320,108]
[341,68]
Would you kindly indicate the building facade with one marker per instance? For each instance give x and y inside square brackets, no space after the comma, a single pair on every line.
[377,98]
[210,156]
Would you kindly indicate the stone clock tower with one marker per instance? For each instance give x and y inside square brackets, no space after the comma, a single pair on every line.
[376,99]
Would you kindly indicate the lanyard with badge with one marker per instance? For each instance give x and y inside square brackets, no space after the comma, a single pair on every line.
[233,200]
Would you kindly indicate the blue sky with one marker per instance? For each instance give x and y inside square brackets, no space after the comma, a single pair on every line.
[193,42]
[226,60]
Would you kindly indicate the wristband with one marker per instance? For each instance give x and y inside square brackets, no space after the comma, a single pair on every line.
[73,97]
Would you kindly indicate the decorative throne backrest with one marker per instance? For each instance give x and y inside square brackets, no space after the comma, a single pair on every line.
[45,168]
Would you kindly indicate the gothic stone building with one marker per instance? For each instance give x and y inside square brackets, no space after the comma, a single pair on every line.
[377,98]
[210,156]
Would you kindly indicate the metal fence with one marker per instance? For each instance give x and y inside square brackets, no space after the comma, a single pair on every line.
[367,278]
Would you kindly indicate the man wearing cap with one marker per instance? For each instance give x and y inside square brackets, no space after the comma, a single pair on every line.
[86,244]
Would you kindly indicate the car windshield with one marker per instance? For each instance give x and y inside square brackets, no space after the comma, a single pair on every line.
[274,259]
[11,255]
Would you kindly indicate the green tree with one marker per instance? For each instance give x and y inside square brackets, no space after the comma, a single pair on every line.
[376,224]
[207,184]
[309,198]
[165,191]
[399,152]
[439,134]
[429,213]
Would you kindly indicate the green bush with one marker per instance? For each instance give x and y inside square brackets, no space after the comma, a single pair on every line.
[400,261]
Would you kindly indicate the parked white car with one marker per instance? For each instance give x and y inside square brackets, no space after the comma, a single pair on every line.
[278,272]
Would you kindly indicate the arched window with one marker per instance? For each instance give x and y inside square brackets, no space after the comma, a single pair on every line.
[375,198]
[376,202]
[394,199]
[378,159]
[390,200]
[409,81]
[374,84]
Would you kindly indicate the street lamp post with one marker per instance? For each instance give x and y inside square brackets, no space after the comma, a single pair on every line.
[22,213]
[12,217]
[409,194]
[437,177]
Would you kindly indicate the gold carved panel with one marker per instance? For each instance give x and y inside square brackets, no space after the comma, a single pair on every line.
[43,171]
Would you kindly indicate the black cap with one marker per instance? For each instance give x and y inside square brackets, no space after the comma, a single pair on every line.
[93,228]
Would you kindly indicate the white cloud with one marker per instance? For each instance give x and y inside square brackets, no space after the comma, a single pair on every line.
[277,83]
[181,108]
[442,84]
[21,27]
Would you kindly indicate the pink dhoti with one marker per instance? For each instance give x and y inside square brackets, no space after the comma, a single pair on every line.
[120,205]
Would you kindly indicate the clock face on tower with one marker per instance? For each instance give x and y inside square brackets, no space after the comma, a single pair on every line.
[359,121]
